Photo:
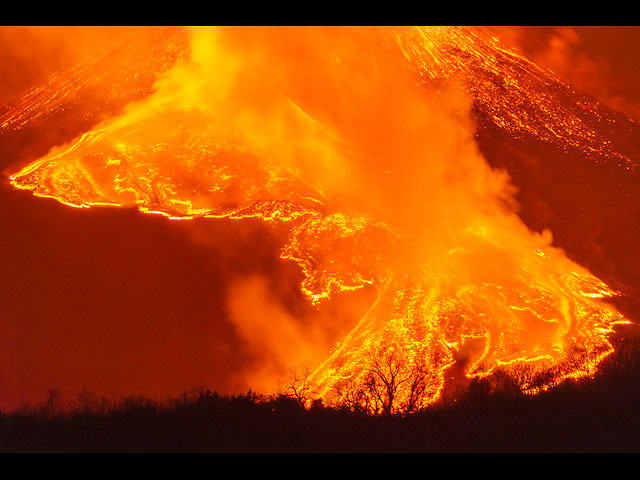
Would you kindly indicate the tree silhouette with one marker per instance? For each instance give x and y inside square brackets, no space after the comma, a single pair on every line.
[54,405]
[393,381]
[298,385]
[88,402]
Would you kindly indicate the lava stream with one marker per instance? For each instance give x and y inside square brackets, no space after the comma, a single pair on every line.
[360,140]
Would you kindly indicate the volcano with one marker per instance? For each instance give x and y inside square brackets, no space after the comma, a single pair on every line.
[488,204]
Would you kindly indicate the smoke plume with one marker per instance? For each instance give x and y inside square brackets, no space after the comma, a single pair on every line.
[374,177]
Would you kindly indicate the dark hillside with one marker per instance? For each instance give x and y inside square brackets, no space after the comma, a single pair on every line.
[598,416]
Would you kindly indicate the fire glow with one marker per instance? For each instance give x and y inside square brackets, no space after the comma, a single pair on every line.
[361,142]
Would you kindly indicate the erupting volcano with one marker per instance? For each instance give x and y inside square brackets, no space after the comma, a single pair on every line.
[390,156]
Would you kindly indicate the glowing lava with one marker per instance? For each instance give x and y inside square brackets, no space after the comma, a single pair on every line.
[362,141]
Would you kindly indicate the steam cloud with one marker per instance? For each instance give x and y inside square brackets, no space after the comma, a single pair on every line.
[363,139]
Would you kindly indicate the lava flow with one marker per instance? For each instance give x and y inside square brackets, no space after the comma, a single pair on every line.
[361,142]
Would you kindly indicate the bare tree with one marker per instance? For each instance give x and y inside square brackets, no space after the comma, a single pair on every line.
[386,374]
[419,383]
[353,396]
[298,385]
[54,405]
[88,402]
[85,402]
[394,382]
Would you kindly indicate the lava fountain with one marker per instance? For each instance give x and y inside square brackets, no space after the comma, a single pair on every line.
[360,141]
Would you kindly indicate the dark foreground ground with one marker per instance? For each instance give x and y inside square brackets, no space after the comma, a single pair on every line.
[601,416]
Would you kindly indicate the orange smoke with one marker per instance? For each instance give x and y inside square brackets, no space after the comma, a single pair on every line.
[609,78]
[29,55]
[333,133]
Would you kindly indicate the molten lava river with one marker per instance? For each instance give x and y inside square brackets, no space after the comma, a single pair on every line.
[360,142]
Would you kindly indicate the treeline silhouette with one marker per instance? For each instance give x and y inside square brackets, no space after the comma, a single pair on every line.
[599,414]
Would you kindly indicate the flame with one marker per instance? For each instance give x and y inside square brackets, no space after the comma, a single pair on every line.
[361,141]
